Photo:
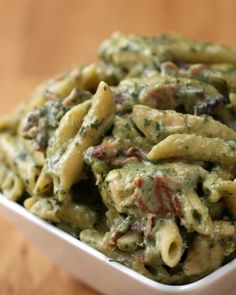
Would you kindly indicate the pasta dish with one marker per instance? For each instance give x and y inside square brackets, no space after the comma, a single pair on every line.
[135,156]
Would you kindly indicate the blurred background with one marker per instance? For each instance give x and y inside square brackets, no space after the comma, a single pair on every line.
[39,38]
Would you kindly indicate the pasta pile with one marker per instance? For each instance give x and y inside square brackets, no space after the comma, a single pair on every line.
[135,156]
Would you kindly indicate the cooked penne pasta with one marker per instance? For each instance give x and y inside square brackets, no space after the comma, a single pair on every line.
[10,184]
[196,214]
[168,92]
[71,123]
[76,215]
[127,51]
[217,175]
[202,257]
[195,147]
[20,161]
[169,243]
[67,129]
[65,168]
[227,189]
[135,156]
[45,208]
[157,125]
[124,129]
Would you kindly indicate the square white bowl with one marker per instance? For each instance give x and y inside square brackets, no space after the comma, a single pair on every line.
[95,269]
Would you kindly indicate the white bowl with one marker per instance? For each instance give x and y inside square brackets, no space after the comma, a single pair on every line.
[96,270]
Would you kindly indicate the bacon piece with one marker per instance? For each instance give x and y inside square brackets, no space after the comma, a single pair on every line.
[139,181]
[105,151]
[160,197]
[168,200]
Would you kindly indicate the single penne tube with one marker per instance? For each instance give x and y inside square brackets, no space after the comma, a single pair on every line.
[89,77]
[195,51]
[157,124]
[71,123]
[169,242]
[195,214]
[83,77]
[194,147]
[129,242]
